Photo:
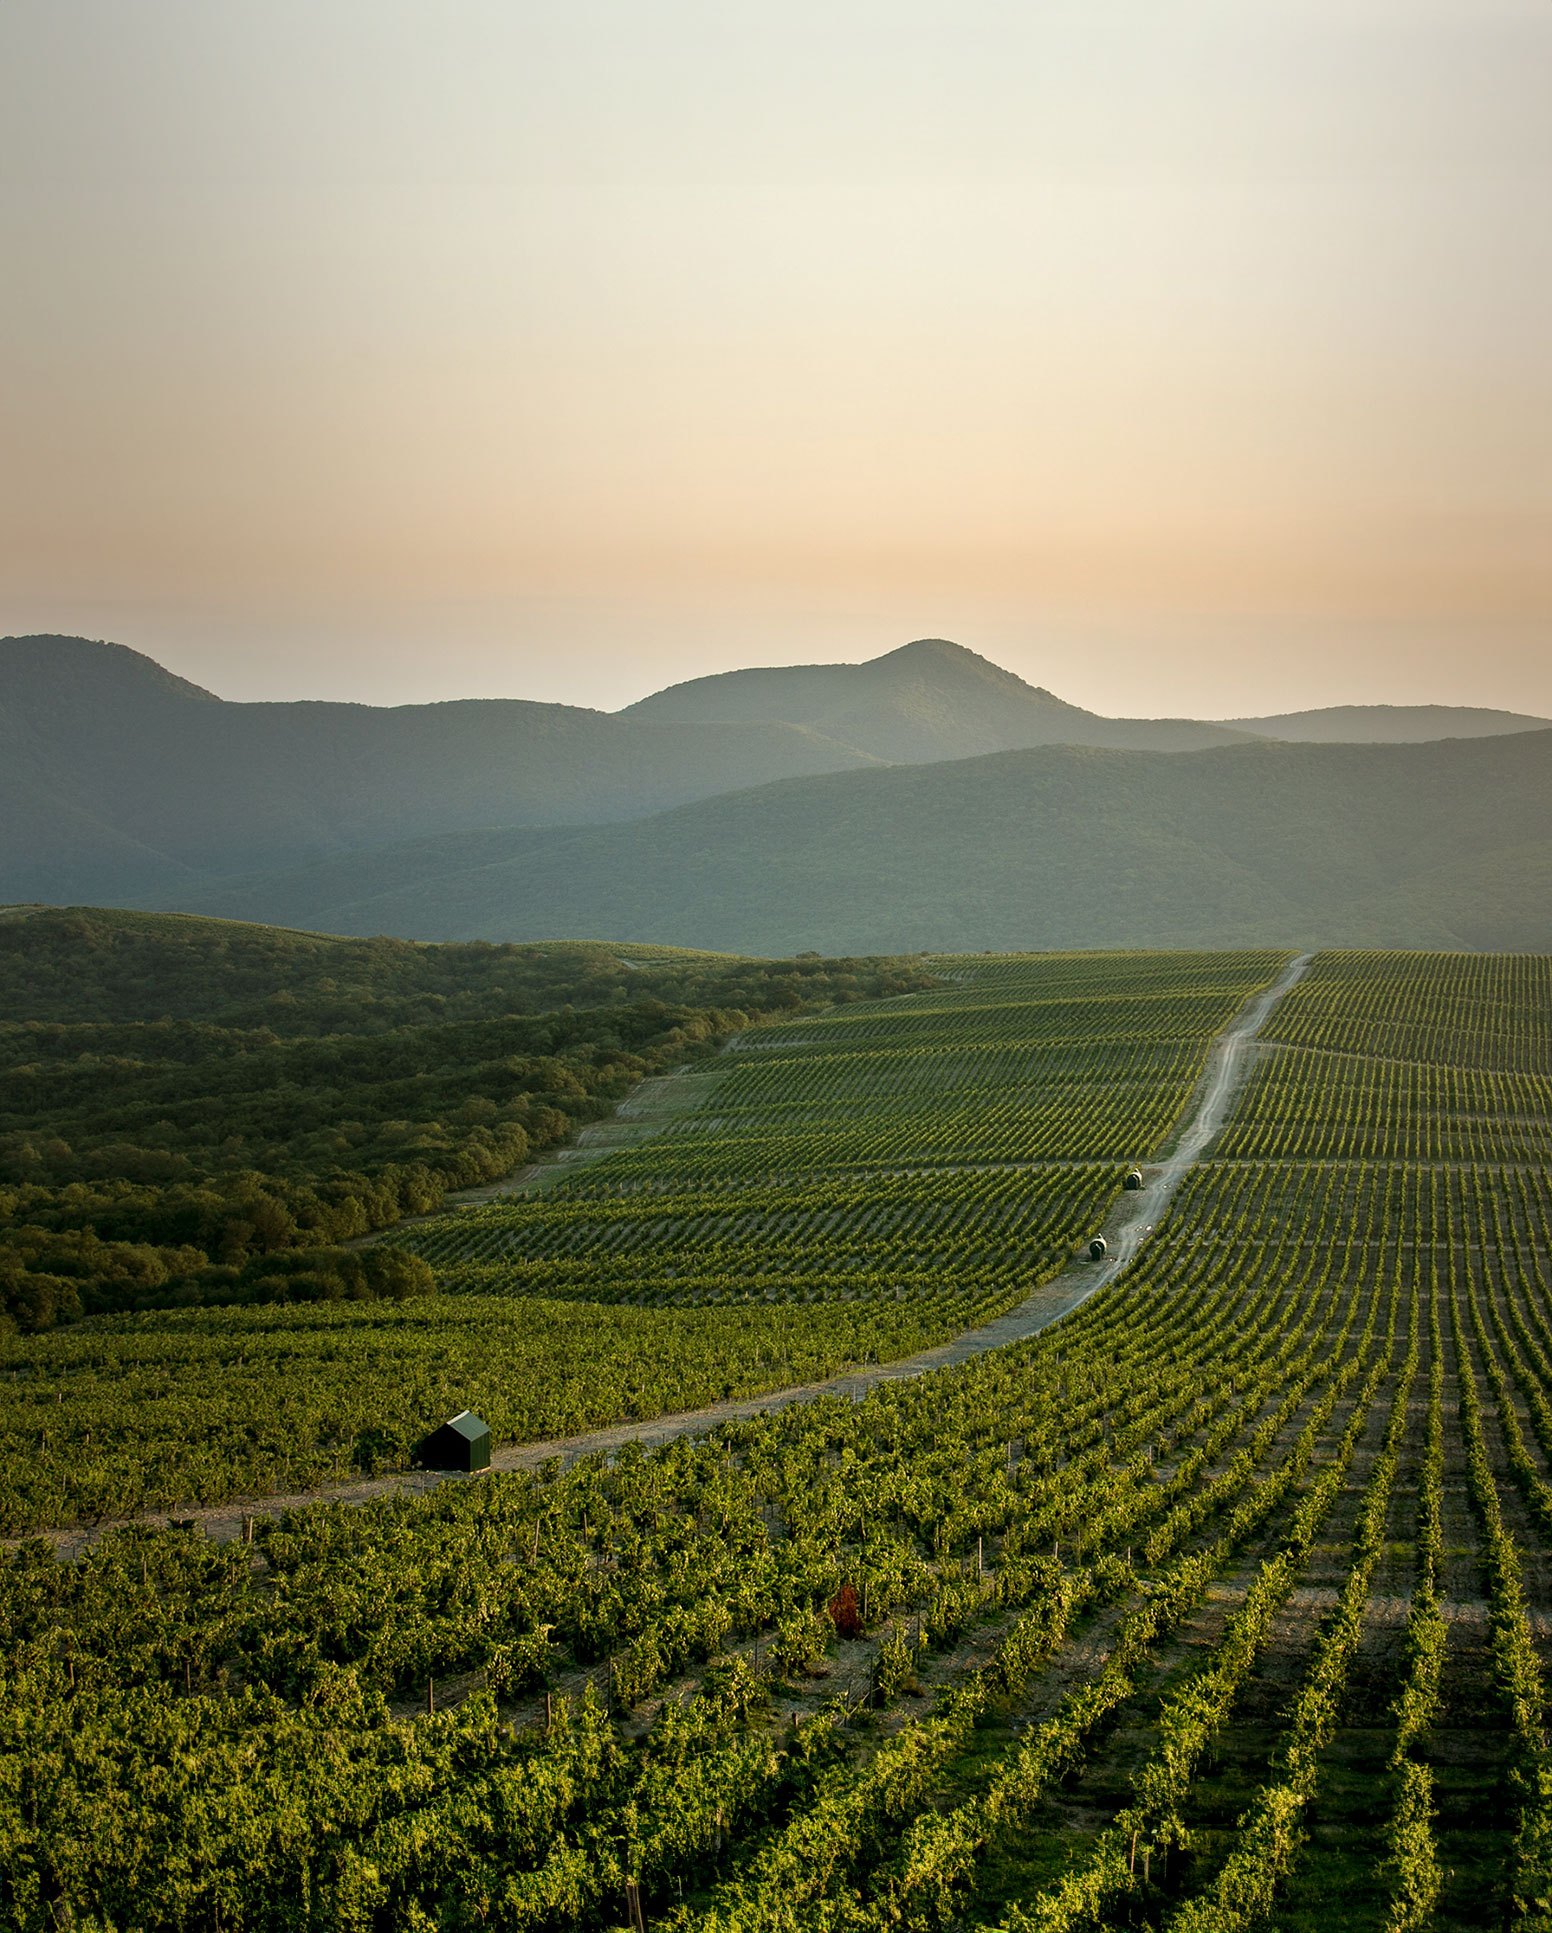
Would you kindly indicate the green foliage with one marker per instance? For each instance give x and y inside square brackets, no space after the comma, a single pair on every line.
[199,1735]
[1423,1057]
[86,965]
[893,1668]
[858,1247]
[173,1408]
[184,1101]
[885,1150]
[236,1668]
[1413,1852]
[801,1639]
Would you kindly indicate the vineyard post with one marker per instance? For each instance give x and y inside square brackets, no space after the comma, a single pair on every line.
[247,1530]
[430,1696]
[633,1906]
[549,1714]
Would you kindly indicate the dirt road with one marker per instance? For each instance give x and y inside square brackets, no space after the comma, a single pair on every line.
[1228,1063]
[1135,1218]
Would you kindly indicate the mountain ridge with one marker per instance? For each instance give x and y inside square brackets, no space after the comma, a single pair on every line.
[122,783]
[929,699]
[1047,847]
[1388,724]
[110,748]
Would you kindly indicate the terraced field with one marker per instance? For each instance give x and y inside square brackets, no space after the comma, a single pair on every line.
[1225,1602]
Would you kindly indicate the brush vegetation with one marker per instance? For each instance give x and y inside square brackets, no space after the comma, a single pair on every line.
[194,1111]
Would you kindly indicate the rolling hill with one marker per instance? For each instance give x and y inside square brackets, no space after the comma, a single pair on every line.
[120,781]
[927,701]
[1442,845]
[927,798]
[123,779]
[935,700]
[1388,724]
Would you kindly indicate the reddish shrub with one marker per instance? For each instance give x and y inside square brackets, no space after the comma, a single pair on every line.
[845,1613]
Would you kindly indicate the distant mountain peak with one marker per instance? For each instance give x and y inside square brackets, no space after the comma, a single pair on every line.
[30,666]
[960,660]
[926,700]
[120,780]
[939,648]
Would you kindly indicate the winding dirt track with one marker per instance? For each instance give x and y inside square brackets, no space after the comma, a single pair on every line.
[1135,1217]
[1228,1063]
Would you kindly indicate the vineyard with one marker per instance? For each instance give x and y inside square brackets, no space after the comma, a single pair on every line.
[947,1150]
[1223,1602]
[721,1257]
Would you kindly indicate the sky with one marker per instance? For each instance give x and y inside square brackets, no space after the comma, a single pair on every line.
[1184,356]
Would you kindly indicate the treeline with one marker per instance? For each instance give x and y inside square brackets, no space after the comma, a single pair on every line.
[223,1148]
[63,964]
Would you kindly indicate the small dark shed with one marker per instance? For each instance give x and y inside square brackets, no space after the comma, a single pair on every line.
[463,1443]
[1099,1248]
[1133,1178]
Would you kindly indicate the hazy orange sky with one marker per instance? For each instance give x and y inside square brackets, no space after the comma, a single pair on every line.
[1183,355]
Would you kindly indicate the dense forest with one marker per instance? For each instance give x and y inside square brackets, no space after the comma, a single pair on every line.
[196,1111]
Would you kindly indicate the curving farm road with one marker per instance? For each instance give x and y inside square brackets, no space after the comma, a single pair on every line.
[1135,1217]
[1227,1065]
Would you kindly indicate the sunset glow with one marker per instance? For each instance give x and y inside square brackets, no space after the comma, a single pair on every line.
[411,351]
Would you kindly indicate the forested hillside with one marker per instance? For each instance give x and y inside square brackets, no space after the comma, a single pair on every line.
[1389,724]
[1446,845]
[483,818]
[929,700]
[194,1112]
[120,782]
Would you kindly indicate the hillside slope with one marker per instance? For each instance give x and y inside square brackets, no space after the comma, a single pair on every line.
[929,700]
[56,843]
[1388,724]
[117,757]
[1407,845]
[121,783]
